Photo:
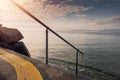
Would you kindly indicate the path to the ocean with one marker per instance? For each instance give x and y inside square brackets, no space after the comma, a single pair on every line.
[14,66]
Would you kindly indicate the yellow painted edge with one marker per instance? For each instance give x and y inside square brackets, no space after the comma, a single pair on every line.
[24,69]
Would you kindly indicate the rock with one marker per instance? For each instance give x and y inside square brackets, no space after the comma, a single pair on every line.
[10,35]
[5,45]
[0,25]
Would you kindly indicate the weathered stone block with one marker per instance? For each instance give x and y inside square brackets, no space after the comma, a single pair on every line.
[10,35]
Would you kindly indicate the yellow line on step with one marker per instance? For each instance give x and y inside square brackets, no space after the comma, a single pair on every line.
[24,69]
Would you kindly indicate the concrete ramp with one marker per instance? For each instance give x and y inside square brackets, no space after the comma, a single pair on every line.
[23,69]
[14,66]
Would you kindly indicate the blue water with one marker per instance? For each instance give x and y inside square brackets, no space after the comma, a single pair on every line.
[102,51]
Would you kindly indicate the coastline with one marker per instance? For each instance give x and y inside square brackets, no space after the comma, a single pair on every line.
[85,71]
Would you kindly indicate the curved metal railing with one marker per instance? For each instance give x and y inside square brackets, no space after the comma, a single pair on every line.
[47,30]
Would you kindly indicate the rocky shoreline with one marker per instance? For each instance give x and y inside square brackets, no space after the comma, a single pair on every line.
[85,72]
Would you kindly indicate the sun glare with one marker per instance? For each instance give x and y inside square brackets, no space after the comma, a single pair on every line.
[6,5]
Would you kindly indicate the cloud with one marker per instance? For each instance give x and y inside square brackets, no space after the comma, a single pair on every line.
[106,23]
[115,19]
[79,15]
[53,8]
[56,1]
[89,23]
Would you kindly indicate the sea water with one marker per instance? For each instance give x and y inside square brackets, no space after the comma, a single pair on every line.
[101,51]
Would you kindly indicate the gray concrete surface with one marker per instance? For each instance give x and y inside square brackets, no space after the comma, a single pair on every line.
[7,72]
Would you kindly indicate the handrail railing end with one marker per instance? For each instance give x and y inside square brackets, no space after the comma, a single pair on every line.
[81,53]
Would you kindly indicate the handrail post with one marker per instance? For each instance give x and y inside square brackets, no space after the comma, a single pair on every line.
[49,29]
[77,62]
[46,46]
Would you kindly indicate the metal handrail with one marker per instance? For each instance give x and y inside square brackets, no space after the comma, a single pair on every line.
[49,29]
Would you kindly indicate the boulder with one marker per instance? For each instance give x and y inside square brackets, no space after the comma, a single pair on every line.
[10,35]
[6,46]
[0,25]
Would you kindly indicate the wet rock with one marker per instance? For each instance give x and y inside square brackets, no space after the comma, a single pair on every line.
[82,70]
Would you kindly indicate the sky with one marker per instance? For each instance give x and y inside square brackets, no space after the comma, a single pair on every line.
[63,14]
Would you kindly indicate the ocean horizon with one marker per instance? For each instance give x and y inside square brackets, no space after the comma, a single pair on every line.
[101,51]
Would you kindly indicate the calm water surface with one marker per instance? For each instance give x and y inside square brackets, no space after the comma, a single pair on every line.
[101,51]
